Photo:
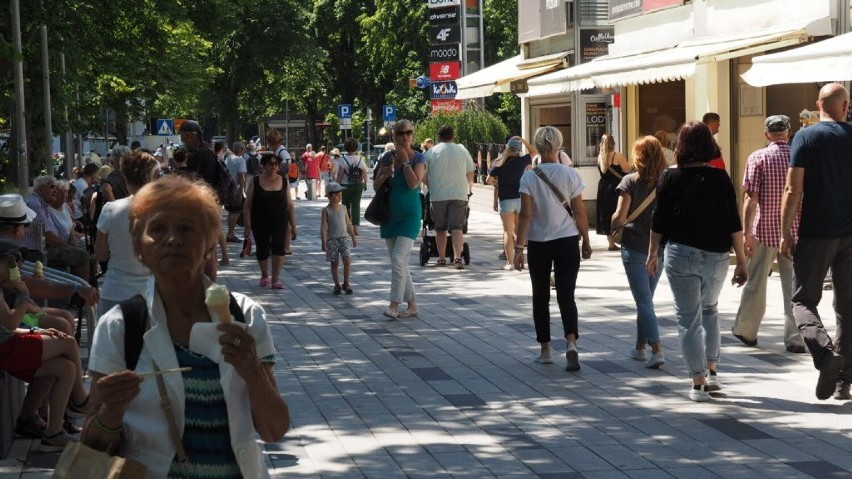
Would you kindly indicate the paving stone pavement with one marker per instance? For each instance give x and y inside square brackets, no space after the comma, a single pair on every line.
[456,393]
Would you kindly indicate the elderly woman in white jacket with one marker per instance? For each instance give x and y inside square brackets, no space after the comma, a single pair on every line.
[230,392]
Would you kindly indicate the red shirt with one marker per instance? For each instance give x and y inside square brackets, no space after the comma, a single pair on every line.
[312,167]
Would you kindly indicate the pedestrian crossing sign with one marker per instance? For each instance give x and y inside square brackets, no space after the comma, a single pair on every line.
[165,127]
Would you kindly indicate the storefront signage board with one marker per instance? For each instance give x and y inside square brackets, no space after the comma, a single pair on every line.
[594,42]
[596,126]
[554,17]
[443,3]
[447,105]
[442,71]
[445,53]
[444,16]
[443,34]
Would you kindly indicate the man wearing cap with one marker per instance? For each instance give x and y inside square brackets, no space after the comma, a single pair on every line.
[58,251]
[819,182]
[449,175]
[763,184]
[202,160]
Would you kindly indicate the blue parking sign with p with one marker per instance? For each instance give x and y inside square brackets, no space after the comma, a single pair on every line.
[388,112]
[344,111]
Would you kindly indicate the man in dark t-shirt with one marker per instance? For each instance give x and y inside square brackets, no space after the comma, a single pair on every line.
[819,180]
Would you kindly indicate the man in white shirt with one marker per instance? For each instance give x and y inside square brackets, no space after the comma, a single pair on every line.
[449,175]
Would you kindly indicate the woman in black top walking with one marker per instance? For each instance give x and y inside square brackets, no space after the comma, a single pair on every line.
[612,166]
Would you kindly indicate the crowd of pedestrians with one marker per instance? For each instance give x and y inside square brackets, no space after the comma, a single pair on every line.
[159,227]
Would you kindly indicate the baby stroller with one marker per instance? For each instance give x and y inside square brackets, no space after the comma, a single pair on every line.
[429,246]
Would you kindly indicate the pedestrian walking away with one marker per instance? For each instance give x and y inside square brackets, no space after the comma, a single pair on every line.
[612,166]
[505,176]
[553,220]
[819,180]
[352,175]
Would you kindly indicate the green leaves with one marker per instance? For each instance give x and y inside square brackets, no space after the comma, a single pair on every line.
[471,126]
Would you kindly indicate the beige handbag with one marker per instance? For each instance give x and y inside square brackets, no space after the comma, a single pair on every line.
[78,461]
[617,233]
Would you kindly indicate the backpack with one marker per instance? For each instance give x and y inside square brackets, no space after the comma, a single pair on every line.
[293,171]
[226,188]
[354,173]
[253,164]
[135,314]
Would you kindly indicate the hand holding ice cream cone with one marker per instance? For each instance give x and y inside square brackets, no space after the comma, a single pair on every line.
[218,299]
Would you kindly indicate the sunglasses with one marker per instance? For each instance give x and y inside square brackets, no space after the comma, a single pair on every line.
[404,133]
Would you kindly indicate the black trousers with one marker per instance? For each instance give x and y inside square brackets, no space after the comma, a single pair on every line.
[562,256]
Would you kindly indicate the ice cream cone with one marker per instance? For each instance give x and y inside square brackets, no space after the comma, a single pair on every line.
[218,299]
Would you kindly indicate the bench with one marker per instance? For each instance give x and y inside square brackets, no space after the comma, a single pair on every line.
[11,398]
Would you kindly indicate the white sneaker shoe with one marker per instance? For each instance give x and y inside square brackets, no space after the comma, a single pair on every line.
[544,358]
[656,360]
[713,383]
[638,354]
[699,393]
[572,359]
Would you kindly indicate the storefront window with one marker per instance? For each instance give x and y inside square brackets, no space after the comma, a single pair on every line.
[662,107]
[559,117]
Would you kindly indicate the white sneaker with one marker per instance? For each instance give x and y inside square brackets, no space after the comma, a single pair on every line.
[713,383]
[638,354]
[572,359]
[656,360]
[699,393]
[544,358]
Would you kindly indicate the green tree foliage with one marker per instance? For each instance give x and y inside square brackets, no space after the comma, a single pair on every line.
[471,126]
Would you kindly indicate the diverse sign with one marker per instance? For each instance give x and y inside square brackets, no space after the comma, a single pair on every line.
[443,90]
[445,53]
[447,105]
[388,113]
[443,3]
[442,34]
[442,71]
[444,16]
[165,127]
[594,42]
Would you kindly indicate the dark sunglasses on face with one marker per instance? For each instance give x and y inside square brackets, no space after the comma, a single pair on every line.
[404,133]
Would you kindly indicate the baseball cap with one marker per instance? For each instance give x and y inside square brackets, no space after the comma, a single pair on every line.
[776,123]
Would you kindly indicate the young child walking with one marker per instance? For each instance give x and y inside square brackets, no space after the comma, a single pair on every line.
[338,237]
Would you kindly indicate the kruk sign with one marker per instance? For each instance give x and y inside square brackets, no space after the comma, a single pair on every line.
[443,90]
[443,3]
[444,16]
[444,71]
[445,34]
[445,53]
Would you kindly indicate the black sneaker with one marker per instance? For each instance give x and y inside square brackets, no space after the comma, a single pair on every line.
[336,290]
[829,369]
[842,391]
[32,428]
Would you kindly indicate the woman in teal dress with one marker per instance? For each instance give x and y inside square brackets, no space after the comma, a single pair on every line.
[405,170]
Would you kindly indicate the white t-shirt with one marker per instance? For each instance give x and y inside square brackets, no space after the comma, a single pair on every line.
[62,220]
[126,276]
[236,165]
[81,186]
[447,166]
[550,221]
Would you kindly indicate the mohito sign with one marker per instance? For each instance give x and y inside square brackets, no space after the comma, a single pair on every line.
[444,3]
[445,53]
[442,71]
[447,105]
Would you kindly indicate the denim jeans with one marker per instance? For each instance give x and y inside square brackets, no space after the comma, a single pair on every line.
[642,285]
[561,255]
[402,289]
[696,278]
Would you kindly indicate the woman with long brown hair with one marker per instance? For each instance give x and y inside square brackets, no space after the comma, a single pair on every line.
[635,191]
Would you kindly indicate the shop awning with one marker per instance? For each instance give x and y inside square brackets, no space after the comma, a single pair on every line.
[825,61]
[497,77]
[675,63]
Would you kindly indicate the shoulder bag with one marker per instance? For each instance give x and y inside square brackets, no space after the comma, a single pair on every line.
[377,211]
[617,233]
[79,460]
[566,203]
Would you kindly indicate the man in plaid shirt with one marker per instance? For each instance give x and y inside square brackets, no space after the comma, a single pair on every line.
[763,183]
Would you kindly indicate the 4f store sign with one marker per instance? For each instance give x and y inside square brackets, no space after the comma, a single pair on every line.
[445,34]
[444,3]
[445,90]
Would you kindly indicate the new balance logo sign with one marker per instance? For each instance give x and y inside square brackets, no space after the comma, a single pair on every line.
[443,35]
[445,69]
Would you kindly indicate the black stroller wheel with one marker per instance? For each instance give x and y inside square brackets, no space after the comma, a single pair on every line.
[424,253]
[466,254]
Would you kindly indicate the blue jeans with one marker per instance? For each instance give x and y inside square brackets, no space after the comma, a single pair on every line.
[696,277]
[642,285]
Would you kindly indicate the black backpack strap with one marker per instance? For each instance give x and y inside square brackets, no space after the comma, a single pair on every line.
[135,314]
[236,311]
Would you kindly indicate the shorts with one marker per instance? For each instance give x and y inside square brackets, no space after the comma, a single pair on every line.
[20,355]
[68,256]
[338,247]
[31,319]
[449,215]
[512,205]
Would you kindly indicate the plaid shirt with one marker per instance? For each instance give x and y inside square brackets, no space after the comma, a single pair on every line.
[766,175]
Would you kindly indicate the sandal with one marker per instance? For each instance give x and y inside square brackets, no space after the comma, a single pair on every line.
[441,262]
[459,264]
[408,313]
[391,313]
[265,282]
[76,411]
[278,285]
[336,290]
